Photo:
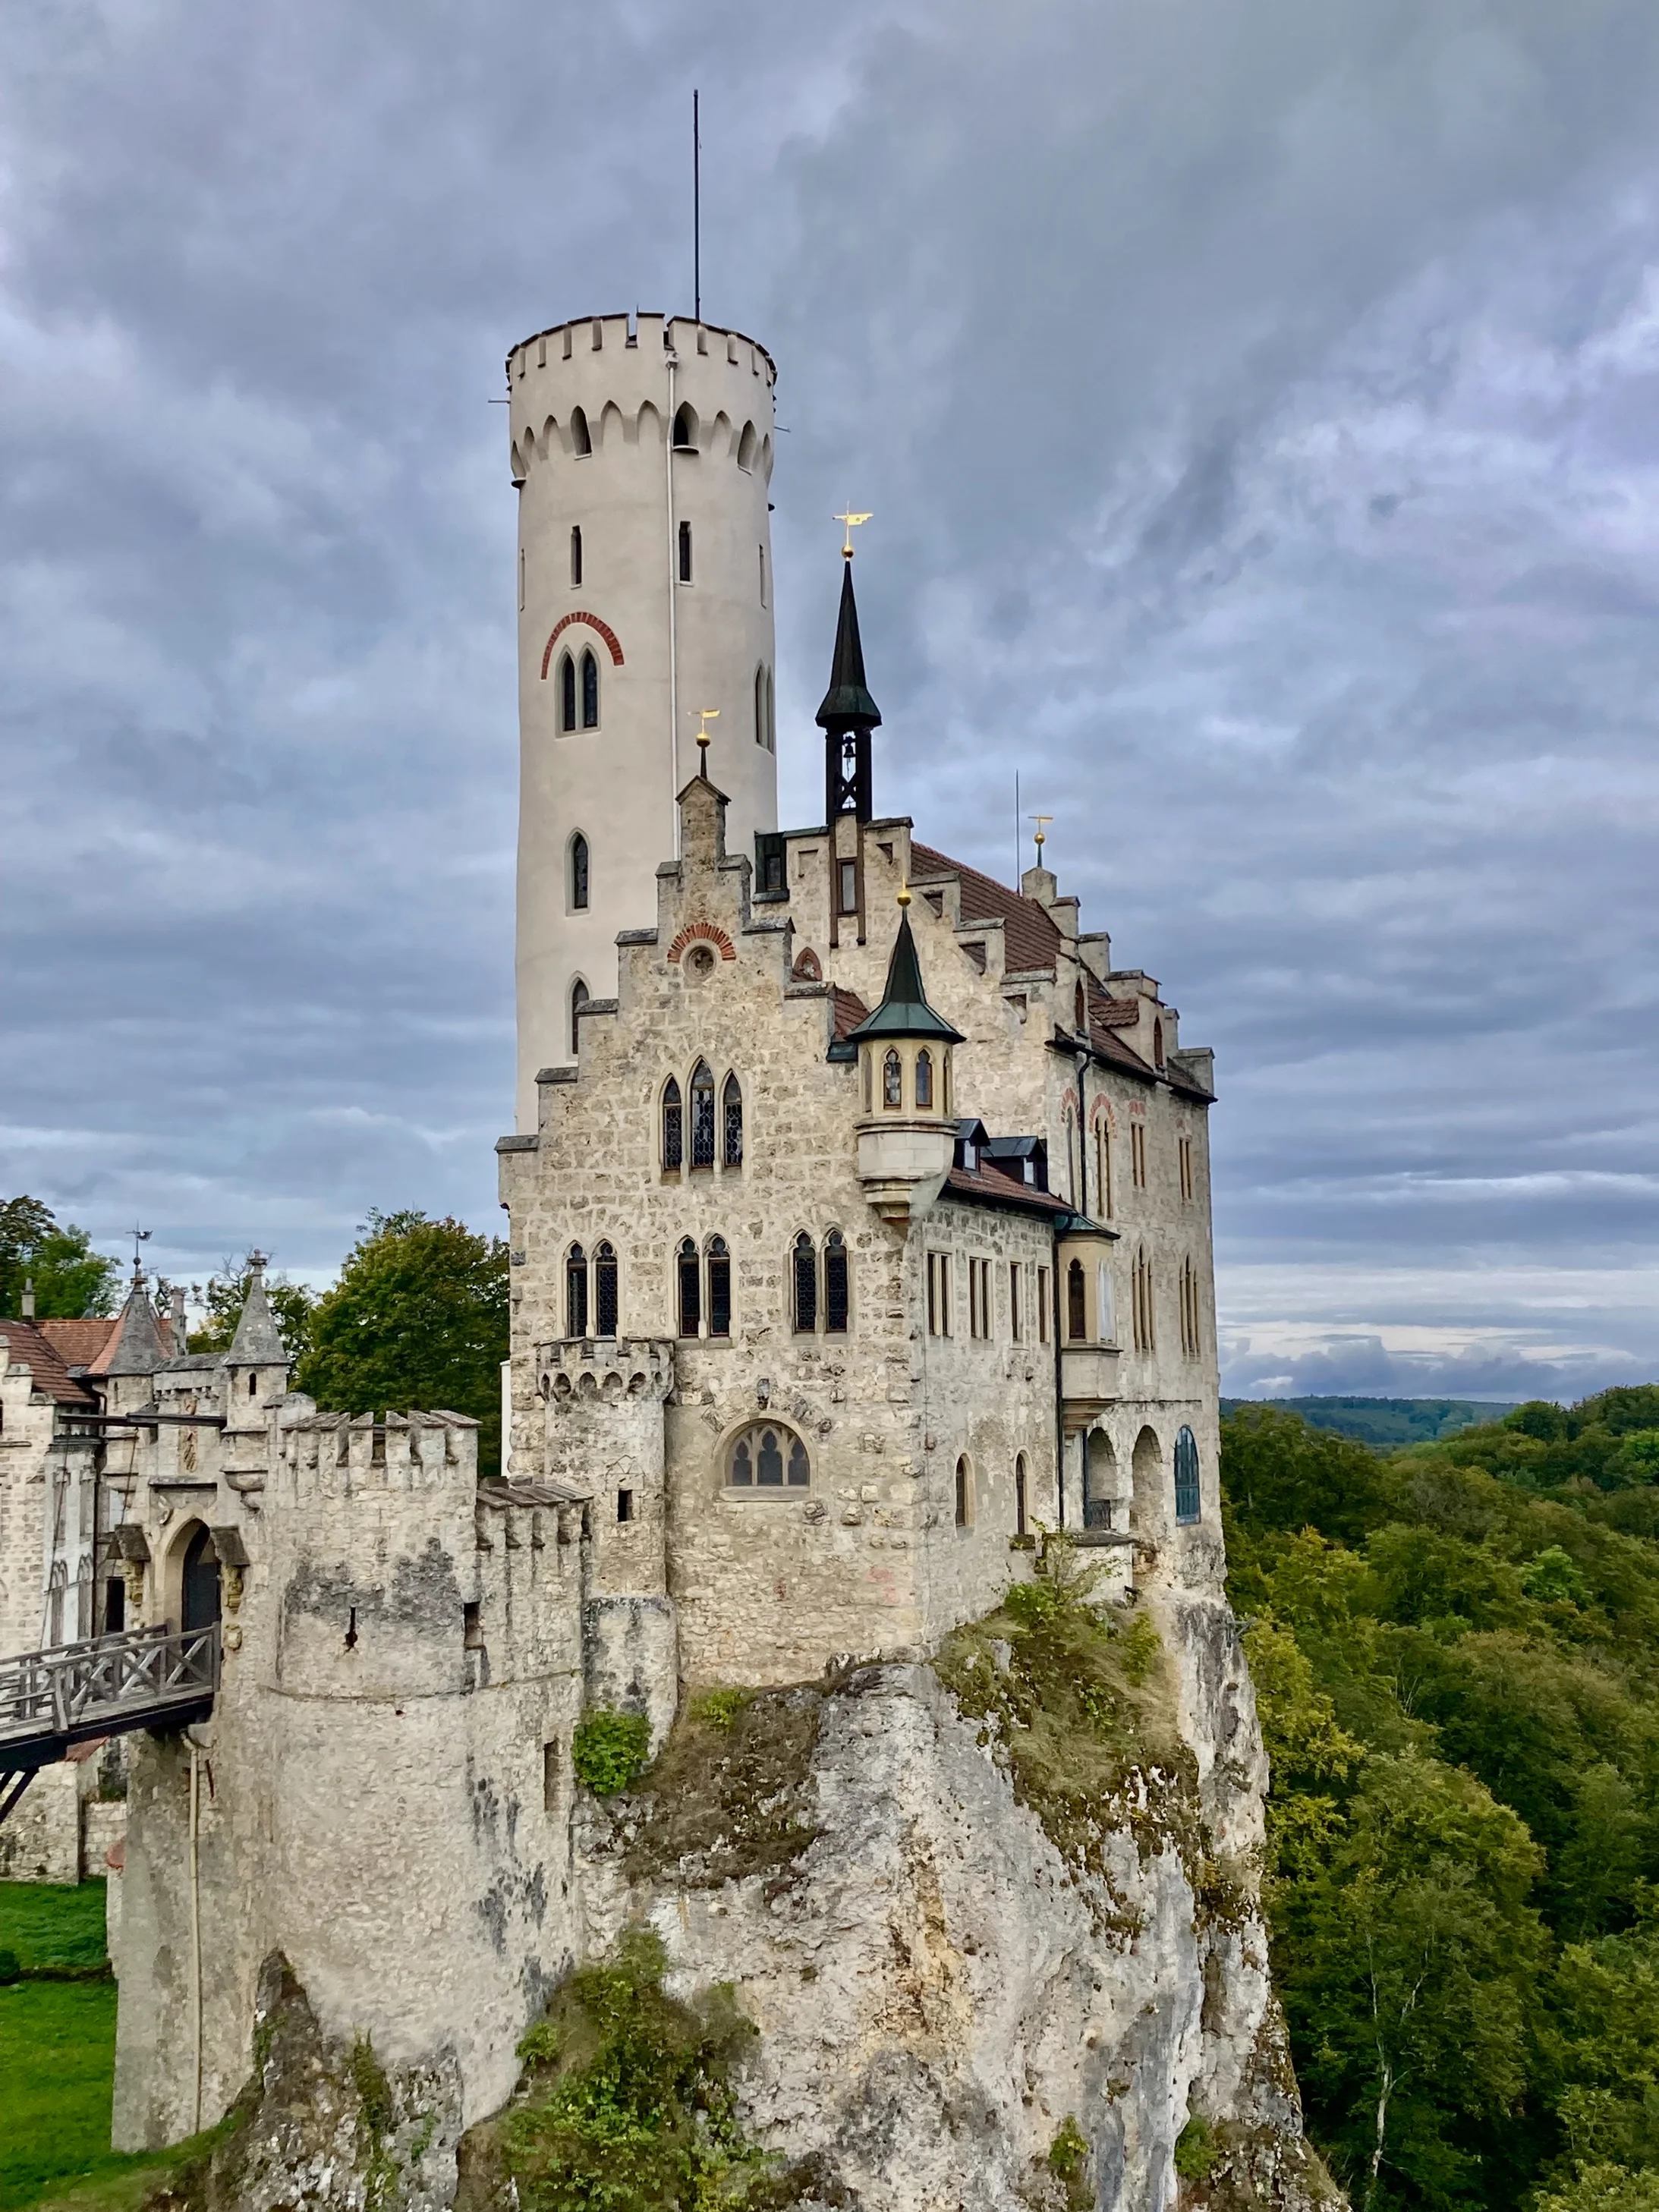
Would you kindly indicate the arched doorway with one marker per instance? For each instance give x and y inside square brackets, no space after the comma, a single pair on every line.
[1150,1508]
[199,1586]
[1099,1480]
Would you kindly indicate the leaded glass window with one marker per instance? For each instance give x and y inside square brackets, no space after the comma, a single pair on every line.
[834,1283]
[731,1122]
[702,1116]
[1077,1327]
[604,1291]
[720,1289]
[575,1291]
[1188,1502]
[924,1080]
[691,1289]
[590,692]
[566,693]
[805,1285]
[892,1081]
[767,1455]
[673,1123]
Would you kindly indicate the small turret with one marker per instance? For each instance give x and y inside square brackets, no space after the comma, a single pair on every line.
[847,714]
[138,1349]
[258,1358]
[907,1137]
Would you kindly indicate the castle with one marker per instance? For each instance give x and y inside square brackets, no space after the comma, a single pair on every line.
[859,1230]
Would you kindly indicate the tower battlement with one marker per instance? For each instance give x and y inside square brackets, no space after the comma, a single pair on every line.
[340,1456]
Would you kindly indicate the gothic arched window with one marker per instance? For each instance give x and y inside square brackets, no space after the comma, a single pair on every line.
[580,442]
[689,1273]
[924,1080]
[1020,1494]
[575,1291]
[590,692]
[566,692]
[892,1080]
[965,1493]
[1077,1327]
[835,1285]
[578,874]
[719,1288]
[731,1123]
[805,1270]
[604,1291]
[673,1125]
[576,553]
[702,1116]
[578,1000]
[1188,1502]
[767,1455]
[685,552]
[686,429]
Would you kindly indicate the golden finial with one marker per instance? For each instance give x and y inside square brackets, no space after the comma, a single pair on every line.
[852,521]
[1043,822]
[903,896]
[705,716]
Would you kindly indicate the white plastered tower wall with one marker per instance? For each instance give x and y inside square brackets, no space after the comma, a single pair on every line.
[664,648]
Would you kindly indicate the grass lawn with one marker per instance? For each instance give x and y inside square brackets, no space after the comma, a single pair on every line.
[57,2056]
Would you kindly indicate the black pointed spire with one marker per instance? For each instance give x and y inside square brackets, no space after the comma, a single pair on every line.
[904,1010]
[847,715]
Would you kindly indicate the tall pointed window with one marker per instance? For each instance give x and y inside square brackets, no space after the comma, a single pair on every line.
[760,707]
[719,1288]
[689,1272]
[604,1291]
[1189,1503]
[581,441]
[575,1291]
[924,1080]
[686,429]
[703,1115]
[1189,1339]
[1077,1327]
[835,1285]
[731,1123]
[576,553]
[771,714]
[578,874]
[590,692]
[1146,1331]
[892,1081]
[578,1000]
[965,1493]
[673,1125]
[566,692]
[1020,1494]
[805,1285]
[685,552]
[1104,1168]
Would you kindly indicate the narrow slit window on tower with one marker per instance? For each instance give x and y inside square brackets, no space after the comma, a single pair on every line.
[850,886]
[760,707]
[892,1081]
[771,714]
[590,692]
[761,551]
[521,579]
[578,874]
[604,1291]
[703,1115]
[578,1000]
[566,692]
[691,1289]
[731,1123]
[719,1288]
[965,1493]
[576,553]
[624,1504]
[1020,1494]
[673,1125]
[834,1283]
[805,1285]
[580,442]
[685,552]
[575,1291]
[924,1080]
[1016,1326]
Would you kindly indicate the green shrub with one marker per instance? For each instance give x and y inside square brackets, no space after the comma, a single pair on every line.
[11,1967]
[610,1750]
[1196,2150]
[720,1707]
[1068,2161]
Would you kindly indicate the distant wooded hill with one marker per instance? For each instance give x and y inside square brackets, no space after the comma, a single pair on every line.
[1385,1421]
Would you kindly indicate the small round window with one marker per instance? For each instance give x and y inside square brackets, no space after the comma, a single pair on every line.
[767,1456]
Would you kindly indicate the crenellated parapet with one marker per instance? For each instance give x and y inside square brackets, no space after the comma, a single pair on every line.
[325,1454]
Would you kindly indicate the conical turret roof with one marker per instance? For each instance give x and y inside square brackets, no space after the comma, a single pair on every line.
[847,704]
[904,1010]
[138,1349]
[258,1341]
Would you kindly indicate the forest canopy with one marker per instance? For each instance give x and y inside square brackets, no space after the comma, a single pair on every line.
[1456,1658]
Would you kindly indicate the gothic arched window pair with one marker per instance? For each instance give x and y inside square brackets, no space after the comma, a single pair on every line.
[579,691]
[710,1131]
[702,1287]
[599,1273]
[809,1310]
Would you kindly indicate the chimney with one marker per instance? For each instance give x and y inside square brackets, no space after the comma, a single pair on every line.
[28,1297]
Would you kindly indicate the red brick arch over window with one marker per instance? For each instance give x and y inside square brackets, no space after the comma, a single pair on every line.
[708,932]
[593,622]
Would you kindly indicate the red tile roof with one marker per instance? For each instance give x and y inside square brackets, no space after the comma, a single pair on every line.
[26,1346]
[849,1011]
[990,1185]
[1031,937]
[79,1343]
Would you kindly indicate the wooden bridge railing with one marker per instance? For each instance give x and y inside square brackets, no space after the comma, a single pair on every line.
[103,1687]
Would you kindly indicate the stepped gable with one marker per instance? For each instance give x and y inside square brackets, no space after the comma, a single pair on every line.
[1033,941]
[28,1346]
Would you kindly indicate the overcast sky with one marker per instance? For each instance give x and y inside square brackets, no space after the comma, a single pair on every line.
[1260,409]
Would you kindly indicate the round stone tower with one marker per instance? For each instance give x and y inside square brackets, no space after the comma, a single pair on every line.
[643,449]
